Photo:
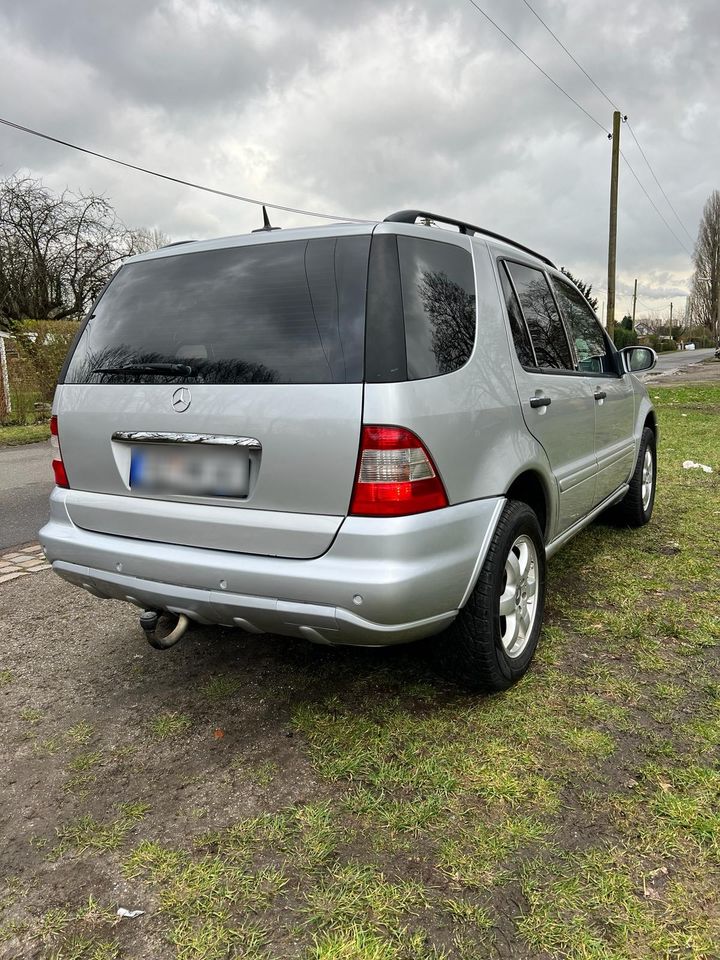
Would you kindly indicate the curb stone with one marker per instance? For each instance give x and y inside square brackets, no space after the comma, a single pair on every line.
[22,561]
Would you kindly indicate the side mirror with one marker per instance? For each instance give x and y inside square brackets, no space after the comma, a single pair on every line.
[637,359]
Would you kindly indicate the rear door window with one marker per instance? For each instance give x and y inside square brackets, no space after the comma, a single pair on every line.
[552,350]
[591,347]
[521,337]
[283,312]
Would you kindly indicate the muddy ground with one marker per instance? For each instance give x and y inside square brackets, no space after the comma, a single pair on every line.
[372,799]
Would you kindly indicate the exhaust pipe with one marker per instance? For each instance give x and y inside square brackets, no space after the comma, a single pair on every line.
[158,638]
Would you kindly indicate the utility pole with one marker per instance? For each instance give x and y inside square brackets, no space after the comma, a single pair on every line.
[634,304]
[671,318]
[612,242]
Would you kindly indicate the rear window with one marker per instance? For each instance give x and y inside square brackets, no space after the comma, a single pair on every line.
[283,312]
[421,308]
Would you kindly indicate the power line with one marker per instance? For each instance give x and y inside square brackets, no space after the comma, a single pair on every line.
[667,199]
[577,64]
[654,206]
[538,67]
[655,310]
[573,100]
[184,183]
[616,107]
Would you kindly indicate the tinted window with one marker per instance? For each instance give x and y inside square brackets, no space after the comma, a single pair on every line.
[543,320]
[520,335]
[283,312]
[438,294]
[591,346]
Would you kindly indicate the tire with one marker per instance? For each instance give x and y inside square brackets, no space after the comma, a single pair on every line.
[636,507]
[475,651]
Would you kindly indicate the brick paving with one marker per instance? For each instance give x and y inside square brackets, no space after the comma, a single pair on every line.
[21,562]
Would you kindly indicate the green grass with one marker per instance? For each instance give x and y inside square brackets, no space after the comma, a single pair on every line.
[84,761]
[72,934]
[30,433]
[221,688]
[80,784]
[260,773]
[31,715]
[574,817]
[80,733]
[86,833]
[169,724]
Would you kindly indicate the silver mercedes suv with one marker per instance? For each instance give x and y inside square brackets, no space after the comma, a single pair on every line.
[355,434]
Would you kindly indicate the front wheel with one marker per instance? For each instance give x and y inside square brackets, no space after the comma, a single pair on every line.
[635,509]
[492,641]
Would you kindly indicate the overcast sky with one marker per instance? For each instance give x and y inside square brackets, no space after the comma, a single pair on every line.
[361,108]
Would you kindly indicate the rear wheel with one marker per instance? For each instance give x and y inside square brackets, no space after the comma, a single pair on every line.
[492,641]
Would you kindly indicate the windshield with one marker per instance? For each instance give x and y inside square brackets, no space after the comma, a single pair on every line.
[282,312]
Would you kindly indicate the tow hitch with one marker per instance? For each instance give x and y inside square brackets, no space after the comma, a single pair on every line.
[163,630]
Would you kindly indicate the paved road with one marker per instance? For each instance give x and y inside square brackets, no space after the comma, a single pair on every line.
[25,485]
[678,360]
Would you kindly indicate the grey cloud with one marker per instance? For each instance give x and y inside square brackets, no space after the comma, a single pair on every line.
[366,107]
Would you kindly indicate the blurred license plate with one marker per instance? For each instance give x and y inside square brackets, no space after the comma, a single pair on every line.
[193,471]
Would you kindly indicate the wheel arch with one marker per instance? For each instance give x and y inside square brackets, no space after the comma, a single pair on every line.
[529,487]
[651,422]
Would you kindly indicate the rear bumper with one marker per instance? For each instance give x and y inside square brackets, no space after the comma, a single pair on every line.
[382,581]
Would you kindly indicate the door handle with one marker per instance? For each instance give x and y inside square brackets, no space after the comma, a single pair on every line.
[540,401]
[600,394]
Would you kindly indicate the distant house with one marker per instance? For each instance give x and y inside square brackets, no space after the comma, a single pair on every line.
[647,328]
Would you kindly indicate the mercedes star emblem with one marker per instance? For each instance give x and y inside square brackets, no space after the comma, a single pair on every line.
[181,399]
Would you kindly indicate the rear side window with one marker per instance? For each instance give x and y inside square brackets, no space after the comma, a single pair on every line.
[421,308]
[591,347]
[438,291]
[547,333]
[284,312]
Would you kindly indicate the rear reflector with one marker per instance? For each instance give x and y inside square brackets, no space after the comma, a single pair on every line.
[396,475]
[58,466]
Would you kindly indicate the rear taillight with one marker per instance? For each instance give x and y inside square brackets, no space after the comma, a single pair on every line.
[395,476]
[58,466]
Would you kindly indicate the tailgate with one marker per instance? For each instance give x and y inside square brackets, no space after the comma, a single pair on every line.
[301,463]
[214,398]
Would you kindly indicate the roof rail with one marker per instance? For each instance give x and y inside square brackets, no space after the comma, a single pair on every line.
[175,243]
[410,216]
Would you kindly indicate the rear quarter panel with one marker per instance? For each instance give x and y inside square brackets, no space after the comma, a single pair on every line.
[470,420]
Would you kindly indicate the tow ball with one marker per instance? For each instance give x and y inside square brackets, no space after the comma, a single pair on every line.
[163,630]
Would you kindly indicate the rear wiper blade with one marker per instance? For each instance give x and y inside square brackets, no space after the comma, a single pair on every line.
[151,369]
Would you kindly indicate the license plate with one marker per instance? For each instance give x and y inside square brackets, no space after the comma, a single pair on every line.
[192,471]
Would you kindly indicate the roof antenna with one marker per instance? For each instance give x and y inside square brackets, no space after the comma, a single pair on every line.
[266,223]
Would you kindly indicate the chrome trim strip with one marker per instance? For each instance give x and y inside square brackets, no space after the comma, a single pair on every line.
[150,436]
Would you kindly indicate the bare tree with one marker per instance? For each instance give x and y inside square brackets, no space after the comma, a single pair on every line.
[145,241]
[704,300]
[58,251]
[452,313]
